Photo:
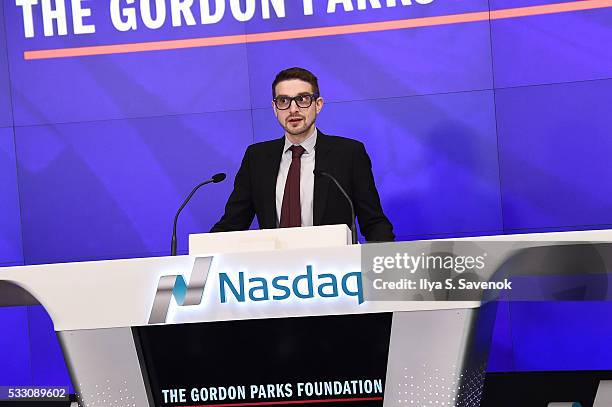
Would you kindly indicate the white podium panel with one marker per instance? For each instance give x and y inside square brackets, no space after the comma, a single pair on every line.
[313,237]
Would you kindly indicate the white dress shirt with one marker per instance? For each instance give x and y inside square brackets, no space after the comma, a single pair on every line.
[307,166]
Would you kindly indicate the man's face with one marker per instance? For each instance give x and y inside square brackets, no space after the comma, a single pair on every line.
[297,121]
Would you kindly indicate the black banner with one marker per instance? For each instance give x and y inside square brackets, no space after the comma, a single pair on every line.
[330,360]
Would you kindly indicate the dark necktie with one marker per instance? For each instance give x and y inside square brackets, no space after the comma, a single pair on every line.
[291,211]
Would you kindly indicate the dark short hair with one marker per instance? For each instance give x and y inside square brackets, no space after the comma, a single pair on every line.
[296,73]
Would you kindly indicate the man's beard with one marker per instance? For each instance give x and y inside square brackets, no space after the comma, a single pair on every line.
[300,130]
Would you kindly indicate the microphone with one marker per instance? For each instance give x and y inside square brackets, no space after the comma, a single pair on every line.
[353,228]
[214,179]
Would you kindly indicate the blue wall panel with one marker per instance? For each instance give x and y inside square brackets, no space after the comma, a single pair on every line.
[48,366]
[10,219]
[501,357]
[561,335]
[110,189]
[555,155]
[6,110]
[553,48]
[14,347]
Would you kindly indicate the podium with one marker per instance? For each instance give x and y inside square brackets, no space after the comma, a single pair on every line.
[270,326]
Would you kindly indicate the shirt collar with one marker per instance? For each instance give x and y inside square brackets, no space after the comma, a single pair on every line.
[308,144]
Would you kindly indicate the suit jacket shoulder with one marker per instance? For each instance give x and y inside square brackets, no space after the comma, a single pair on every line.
[267,147]
[343,145]
[339,140]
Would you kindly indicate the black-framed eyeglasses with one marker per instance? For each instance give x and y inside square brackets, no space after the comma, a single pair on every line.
[304,100]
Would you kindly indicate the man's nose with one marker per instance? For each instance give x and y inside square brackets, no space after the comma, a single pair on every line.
[293,107]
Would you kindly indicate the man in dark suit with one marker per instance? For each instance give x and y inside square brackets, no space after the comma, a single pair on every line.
[276,181]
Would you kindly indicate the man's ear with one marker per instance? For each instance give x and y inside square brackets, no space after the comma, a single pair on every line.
[319,104]
[274,110]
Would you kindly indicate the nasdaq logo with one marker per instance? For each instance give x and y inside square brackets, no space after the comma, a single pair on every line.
[285,287]
[236,287]
[184,293]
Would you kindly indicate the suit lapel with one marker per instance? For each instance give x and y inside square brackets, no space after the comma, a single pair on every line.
[321,184]
[270,168]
